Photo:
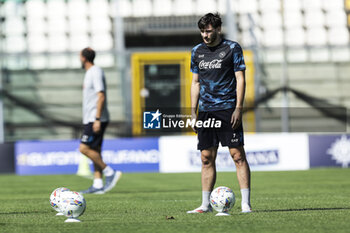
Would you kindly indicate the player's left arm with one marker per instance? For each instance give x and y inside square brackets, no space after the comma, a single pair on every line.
[236,118]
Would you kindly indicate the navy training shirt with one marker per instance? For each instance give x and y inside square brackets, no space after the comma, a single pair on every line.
[216,67]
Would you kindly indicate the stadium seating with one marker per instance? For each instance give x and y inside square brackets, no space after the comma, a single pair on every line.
[59,95]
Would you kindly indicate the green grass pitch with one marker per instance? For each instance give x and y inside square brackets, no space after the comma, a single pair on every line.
[297,201]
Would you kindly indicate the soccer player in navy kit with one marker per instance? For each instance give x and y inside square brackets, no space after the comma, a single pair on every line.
[218,87]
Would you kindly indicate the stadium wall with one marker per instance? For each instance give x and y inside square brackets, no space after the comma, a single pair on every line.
[265,152]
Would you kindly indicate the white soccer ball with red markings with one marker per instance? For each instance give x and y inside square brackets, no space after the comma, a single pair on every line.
[222,199]
[72,204]
[55,197]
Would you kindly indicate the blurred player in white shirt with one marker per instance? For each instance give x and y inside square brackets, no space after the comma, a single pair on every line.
[95,120]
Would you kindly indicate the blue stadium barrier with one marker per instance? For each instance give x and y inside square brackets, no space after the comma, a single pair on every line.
[63,157]
[331,150]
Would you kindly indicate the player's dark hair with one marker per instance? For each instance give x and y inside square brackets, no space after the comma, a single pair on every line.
[89,54]
[210,19]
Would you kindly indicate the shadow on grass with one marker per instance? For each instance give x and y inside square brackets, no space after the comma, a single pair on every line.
[153,191]
[302,209]
[24,212]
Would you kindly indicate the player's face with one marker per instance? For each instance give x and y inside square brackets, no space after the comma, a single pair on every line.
[82,60]
[210,34]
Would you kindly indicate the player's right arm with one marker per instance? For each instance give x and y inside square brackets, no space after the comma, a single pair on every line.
[99,88]
[195,86]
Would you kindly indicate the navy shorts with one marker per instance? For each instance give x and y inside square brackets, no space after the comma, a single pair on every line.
[92,139]
[210,137]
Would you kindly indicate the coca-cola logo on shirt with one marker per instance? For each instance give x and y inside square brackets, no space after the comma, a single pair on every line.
[214,64]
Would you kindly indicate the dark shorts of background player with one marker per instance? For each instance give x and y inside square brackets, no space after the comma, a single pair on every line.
[92,139]
[210,137]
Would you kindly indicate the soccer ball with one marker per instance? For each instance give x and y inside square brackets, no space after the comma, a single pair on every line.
[72,204]
[55,197]
[222,199]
